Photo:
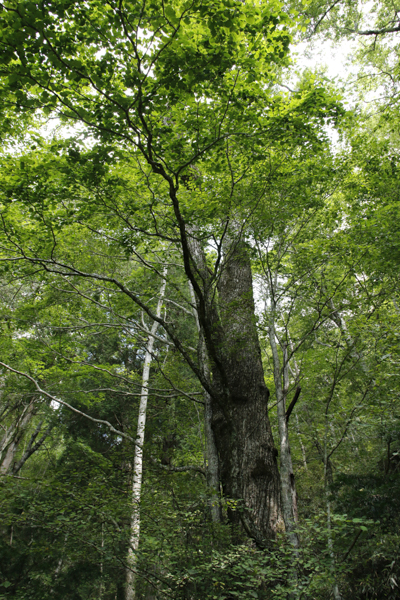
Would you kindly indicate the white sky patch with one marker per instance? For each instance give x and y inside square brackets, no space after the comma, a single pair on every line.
[336,59]
[336,62]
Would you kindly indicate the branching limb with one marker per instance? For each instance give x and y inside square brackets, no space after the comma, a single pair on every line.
[292,404]
[377,31]
[75,410]
[31,448]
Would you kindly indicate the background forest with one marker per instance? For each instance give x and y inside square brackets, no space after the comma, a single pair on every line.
[199,301]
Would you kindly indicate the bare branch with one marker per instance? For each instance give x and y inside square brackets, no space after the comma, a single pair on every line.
[292,404]
[75,410]
[376,31]
[325,13]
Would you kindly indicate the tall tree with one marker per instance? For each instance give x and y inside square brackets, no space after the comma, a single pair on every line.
[178,87]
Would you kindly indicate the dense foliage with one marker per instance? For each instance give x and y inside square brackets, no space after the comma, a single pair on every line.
[146,143]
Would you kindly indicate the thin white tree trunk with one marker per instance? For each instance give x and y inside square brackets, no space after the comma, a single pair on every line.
[342,325]
[101,588]
[303,450]
[295,371]
[288,493]
[338,319]
[10,442]
[292,485]
[59,565]
[335,587]
[138,458]
[212,471]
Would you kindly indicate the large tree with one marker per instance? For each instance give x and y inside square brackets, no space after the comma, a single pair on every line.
[184,93]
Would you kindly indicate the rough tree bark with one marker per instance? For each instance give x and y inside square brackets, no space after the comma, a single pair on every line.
[239,397]
[248,458]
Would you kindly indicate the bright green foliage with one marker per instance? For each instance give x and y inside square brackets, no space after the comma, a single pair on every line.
[180,125]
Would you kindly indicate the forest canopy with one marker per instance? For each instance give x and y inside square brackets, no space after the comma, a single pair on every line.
[199,301]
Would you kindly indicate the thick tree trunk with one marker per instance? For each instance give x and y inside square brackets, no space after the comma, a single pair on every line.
[239,397]
[248,458]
